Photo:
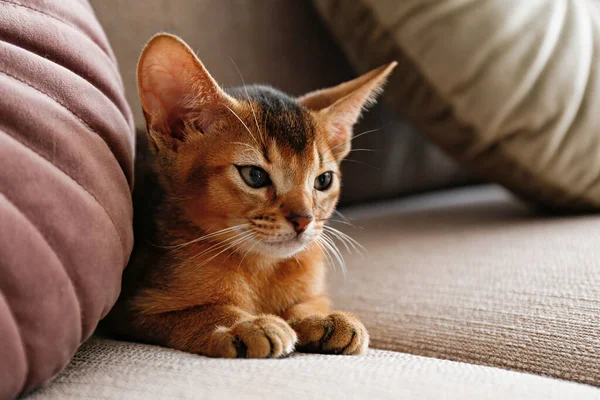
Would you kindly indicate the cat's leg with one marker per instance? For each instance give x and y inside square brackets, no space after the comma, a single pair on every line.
[221,331]
[321,331]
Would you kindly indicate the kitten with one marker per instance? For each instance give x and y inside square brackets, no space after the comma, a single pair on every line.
[228,259]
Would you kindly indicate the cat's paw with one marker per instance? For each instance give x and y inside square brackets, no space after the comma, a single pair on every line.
[336,333]
[265,336]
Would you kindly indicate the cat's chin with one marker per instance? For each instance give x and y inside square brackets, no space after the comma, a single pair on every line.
[282,250]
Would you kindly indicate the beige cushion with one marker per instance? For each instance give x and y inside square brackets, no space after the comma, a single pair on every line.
[108,370]
[509,87]
[472,275]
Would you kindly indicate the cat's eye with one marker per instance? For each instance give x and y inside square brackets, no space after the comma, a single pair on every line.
[254,177]
[323,181]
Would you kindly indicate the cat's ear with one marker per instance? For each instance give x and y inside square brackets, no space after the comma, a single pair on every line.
[342,105]
[175,89]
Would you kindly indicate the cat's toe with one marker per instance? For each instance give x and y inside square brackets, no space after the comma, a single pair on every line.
[261,337]
[336,333]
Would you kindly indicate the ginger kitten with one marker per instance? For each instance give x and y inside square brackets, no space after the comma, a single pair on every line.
[228,260]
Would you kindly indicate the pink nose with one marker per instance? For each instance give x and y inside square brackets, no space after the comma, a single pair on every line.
[300,222]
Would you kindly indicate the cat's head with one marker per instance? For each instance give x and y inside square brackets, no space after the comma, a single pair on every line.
[252,166]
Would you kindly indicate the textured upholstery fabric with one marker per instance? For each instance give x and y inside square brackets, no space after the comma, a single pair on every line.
[109,370]
[467,275]
[511,88]
[66,144]
[284,44]
[472,275]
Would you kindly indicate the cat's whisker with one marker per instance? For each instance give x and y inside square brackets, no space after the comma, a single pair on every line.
[243,123]
[345,238]
[338,212]
[329,243]
[245,254]
[247,96]
[238,246]
[356,136]
[253,151]
[253,113]
[210,235]
[230,245]
[337,253]
[296,258]
[325,251]
[265,121]
[331,160]
[219,245]
[361,163]
[328,239]
[328,253]
[351,139]
[338,221]
[340,238]
[225,243]
[337,231]
[249,148]
[367,150]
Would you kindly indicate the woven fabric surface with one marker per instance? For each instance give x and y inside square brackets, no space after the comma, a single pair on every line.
[105,369]
[473,275]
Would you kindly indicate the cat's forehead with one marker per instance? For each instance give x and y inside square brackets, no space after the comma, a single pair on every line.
[281,119]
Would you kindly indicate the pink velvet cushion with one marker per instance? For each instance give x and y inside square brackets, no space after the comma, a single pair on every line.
[66,165]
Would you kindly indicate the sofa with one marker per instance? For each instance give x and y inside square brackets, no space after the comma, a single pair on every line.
[467,294]
[468,291]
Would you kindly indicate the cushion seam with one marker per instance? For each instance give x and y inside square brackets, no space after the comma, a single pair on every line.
[18,328]
[78,184]
[59,102]
[79,118]
[62,264]
[110,98]
[70,25]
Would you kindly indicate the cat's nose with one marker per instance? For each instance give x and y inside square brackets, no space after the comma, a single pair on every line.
[299,221]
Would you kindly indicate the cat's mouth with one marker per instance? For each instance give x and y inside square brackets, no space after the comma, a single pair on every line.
[281,248]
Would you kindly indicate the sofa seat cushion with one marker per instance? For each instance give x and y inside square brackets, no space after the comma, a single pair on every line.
[106,369]
[473,275]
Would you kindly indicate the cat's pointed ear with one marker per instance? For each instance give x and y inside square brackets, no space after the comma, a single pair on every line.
[342,105]
[174,87]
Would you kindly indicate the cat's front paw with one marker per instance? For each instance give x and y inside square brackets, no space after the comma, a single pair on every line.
[265,336]
[336,333]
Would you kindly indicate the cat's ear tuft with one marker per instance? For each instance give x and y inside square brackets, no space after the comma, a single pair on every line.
[174,87]
[341,106]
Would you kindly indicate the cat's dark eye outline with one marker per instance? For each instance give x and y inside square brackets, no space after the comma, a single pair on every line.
[266,181]
[326,185]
